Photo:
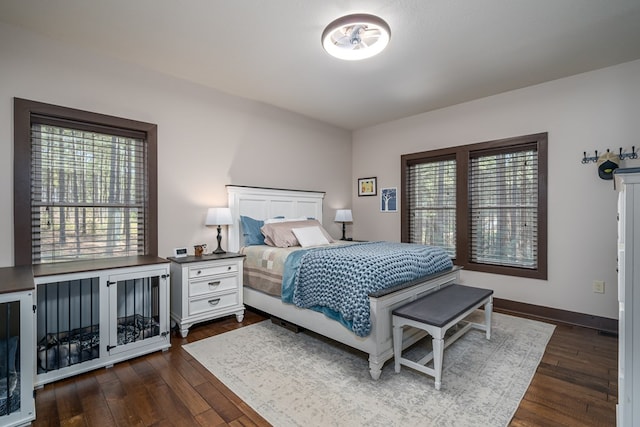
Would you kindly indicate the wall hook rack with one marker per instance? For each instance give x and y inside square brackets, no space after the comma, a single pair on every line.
[632,155]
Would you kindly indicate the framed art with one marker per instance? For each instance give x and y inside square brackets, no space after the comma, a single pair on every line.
[367,186]
[389,199]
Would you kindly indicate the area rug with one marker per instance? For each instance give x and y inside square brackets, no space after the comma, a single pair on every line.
[306,380]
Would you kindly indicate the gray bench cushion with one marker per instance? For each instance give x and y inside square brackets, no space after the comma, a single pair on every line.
[442,306]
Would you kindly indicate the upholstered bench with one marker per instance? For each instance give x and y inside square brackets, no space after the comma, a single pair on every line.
[435,313]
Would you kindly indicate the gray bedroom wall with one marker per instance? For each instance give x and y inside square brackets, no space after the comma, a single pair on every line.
[206,139]
[586,112]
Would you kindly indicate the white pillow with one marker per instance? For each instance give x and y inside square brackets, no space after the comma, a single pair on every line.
[277,220]
[310,236]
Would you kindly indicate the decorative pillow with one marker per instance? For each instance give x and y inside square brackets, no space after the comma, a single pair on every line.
[251,231]
[278,219]
[280,234]
[310,236]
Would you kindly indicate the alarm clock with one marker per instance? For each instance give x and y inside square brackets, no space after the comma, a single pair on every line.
[180,252]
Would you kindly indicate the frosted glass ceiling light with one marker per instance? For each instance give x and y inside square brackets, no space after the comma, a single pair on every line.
[355,37]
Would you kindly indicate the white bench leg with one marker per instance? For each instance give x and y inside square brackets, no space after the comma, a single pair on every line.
[397,346]
[488,309]
[438,356]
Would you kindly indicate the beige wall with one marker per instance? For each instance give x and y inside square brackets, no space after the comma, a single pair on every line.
[587,112]
[206,139]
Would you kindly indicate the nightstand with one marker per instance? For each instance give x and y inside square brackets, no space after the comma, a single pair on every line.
[205,288]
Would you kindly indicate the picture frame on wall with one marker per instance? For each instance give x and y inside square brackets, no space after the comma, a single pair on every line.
[367,186]
[389,199]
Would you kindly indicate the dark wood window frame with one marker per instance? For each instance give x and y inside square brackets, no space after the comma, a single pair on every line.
[23,112]
[462,155]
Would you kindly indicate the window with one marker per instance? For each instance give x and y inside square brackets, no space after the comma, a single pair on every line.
[484,203]
[433,207]
[84,187]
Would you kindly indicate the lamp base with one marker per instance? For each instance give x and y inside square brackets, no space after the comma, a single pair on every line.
[219,250]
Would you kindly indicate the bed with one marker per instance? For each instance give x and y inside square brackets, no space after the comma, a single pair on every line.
[262,203]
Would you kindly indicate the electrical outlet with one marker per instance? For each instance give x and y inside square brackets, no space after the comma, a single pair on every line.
[598,286]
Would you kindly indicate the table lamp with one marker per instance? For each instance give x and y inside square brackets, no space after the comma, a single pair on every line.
[343,216]
[219,216]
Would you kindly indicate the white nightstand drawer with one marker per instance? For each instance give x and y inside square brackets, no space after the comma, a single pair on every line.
[212,303]
[211,269]
[213,284]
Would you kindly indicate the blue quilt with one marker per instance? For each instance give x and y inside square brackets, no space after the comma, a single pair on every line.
[337,281]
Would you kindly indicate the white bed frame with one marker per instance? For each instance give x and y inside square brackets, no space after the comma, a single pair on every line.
[262,203]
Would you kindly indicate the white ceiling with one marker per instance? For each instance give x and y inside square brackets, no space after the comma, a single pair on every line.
[442,52]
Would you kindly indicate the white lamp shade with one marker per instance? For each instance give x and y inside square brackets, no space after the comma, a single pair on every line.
[344,215]
[218,216]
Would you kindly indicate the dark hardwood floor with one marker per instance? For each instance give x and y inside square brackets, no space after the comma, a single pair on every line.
[575,385]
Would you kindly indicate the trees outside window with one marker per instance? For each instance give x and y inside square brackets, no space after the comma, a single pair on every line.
[85,185]
[484,203]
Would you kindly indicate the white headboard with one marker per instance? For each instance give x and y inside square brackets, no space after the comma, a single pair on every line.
[263,203]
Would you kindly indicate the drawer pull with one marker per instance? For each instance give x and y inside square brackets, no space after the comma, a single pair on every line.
[214,302]
[214,284]
[228,267]
[199,272]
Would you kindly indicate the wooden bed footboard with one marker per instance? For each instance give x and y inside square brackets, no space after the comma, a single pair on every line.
[378,344]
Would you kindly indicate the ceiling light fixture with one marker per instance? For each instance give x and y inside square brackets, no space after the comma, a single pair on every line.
[355,37]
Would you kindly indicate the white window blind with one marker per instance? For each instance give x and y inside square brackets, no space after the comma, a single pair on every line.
[503,208]
[89,193]
[432,203]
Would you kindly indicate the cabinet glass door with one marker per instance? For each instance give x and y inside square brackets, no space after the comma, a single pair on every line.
[138,307]
[68,323]
[9,357]
[17,404]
